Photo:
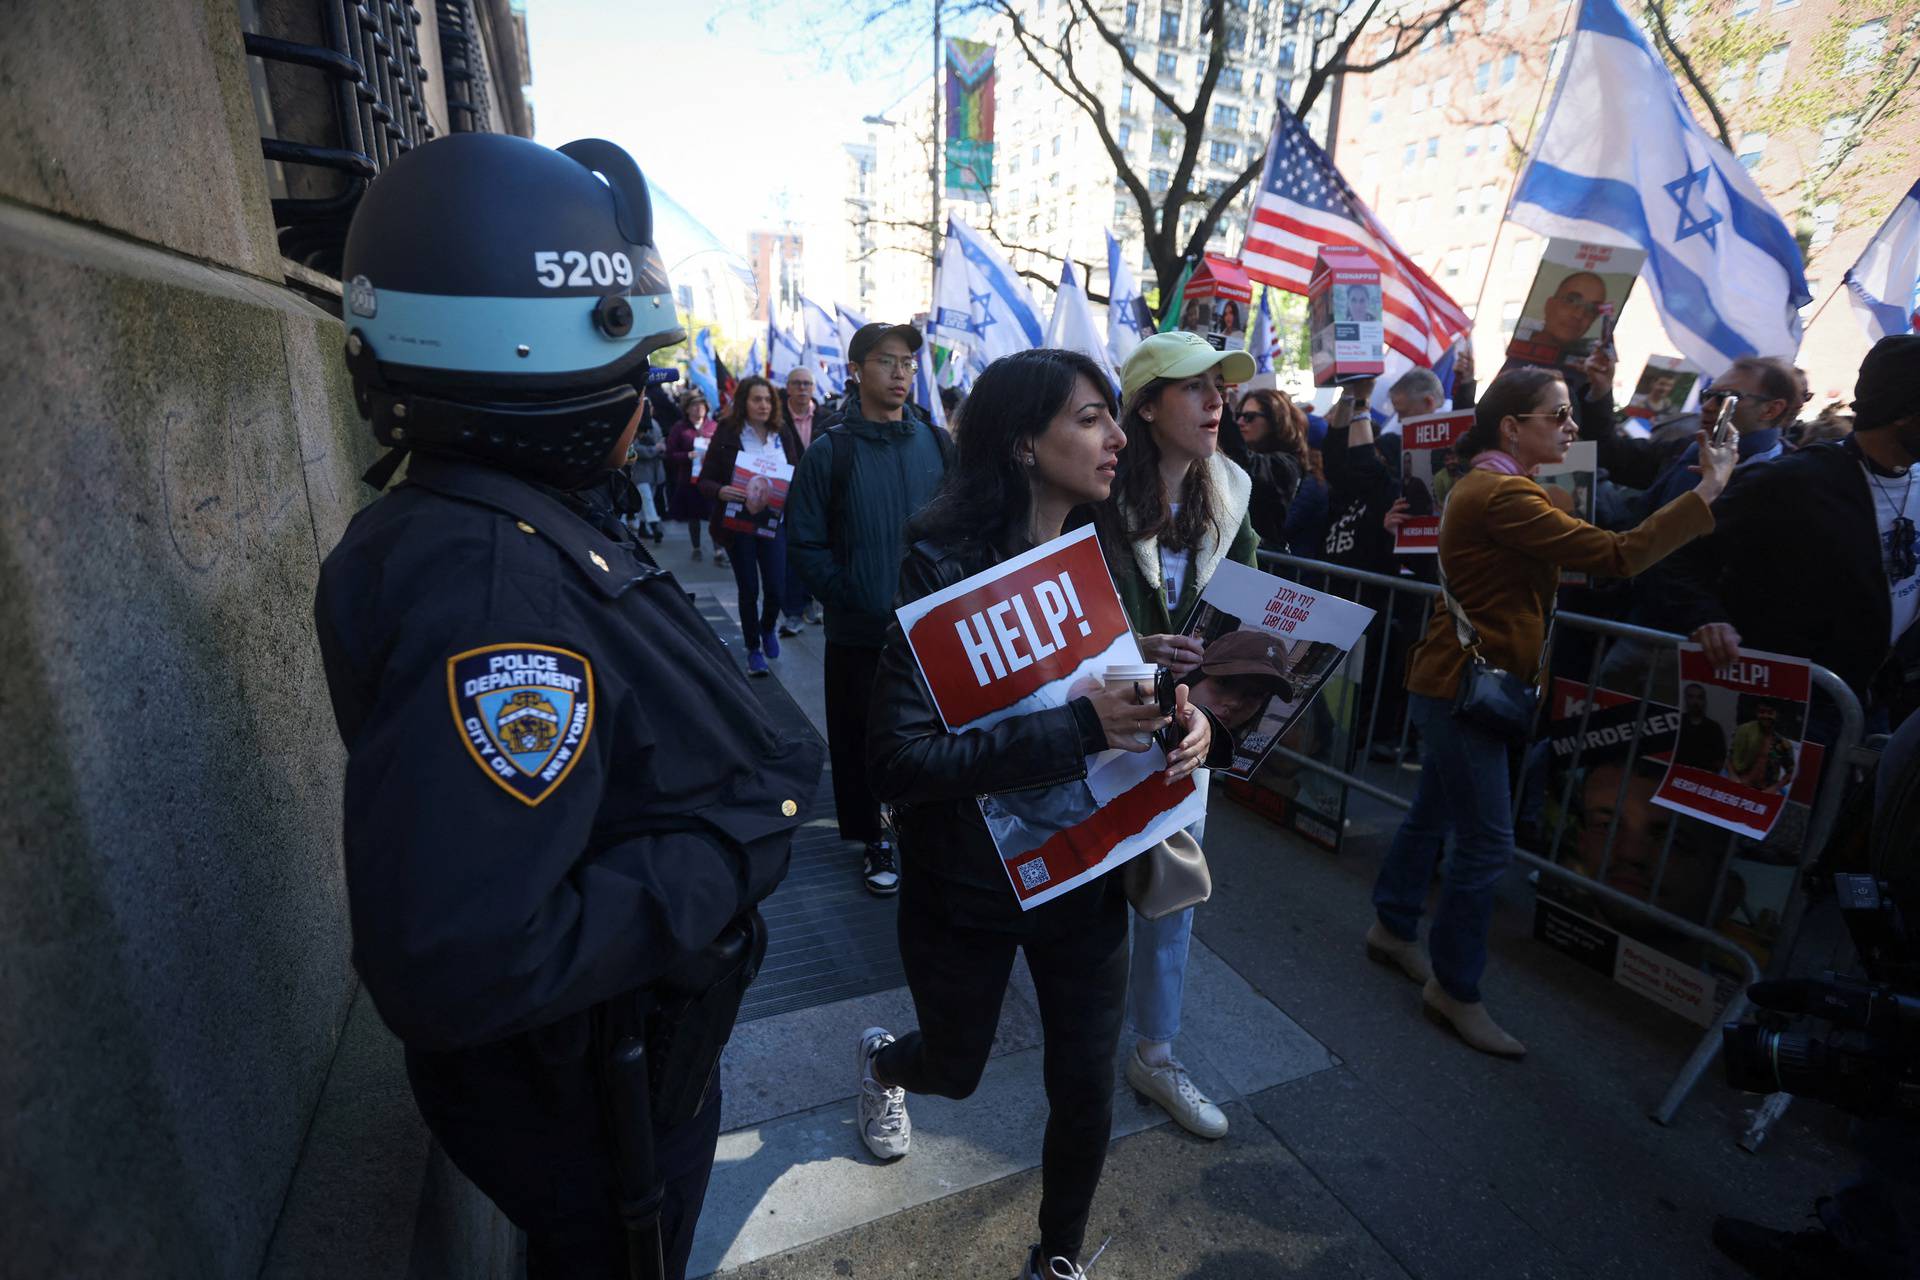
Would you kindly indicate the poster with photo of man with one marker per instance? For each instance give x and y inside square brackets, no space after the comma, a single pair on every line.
[1665,386]
[1268,647]
[1757,704]
[1561,319]
[1570,486]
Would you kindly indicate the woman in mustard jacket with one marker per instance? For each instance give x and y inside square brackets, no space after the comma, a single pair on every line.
[1502,547]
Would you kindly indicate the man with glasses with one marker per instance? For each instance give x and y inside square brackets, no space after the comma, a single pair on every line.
[853,492]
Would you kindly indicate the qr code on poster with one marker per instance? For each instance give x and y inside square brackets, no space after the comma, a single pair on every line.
[1033,873]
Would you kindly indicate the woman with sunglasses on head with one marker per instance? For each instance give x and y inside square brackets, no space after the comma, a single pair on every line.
[1502,547]
[1040,447]
[1275,433]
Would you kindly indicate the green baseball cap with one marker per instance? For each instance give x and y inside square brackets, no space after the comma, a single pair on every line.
[1180,354]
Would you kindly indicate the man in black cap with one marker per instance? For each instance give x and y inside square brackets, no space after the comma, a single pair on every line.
[1814,553]
[1238,672]
[853,492]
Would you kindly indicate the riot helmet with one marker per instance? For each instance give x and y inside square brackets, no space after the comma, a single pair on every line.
[501,299]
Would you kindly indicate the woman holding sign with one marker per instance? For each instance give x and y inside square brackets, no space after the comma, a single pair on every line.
[1179,507]
[1503,544]
[1040,443]
[759,562]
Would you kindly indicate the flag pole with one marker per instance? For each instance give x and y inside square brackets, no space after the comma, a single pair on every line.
[933,149]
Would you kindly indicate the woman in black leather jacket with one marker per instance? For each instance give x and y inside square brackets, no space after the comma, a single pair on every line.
[1040,442]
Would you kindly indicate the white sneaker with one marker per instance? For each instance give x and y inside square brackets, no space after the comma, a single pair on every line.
[1175,1091]
[1054,1268]
[882,1112]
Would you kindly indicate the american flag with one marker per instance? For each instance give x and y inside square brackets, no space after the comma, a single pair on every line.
[1303,204]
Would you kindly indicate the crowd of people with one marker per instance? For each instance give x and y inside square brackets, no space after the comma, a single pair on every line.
[563,881]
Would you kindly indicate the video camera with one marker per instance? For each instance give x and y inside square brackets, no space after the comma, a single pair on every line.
[1870,1066]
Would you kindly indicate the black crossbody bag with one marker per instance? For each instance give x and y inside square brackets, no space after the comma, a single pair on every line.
[1491,698]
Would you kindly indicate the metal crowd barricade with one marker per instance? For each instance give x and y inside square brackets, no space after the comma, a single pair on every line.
[1385,594]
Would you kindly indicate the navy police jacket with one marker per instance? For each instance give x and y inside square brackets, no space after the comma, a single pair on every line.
[558,783]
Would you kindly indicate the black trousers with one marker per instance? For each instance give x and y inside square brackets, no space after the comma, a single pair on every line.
[957,946]
[522,1119]
[849,676]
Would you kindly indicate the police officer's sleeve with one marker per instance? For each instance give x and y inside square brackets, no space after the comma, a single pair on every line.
[485,898]
[810,528]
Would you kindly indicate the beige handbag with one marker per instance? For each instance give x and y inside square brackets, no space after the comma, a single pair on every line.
[1169,877]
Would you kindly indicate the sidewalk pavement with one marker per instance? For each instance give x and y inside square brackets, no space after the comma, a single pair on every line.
[1365,1142]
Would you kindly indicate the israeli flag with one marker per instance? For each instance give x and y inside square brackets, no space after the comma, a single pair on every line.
[824,350]
[784,352]
[700,368]
[1128,320]
[1072,327]
[756,365]
[925,393]
[979,302]
[1621,160]
[1884,286]
[851,322]
[1260,345]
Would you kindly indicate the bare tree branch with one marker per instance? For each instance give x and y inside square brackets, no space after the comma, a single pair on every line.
[1664,34]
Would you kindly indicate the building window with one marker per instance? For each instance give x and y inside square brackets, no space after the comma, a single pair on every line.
[1778,5]
[1163,142]
[1124,135]
[1418,102]
[1056,144]
[1826,217]
[1126,96]
[1408,156]
[1472,137]
[1509,67]
[1865,43]
[1753,147]
[1733,82]
[1170,26]
[1442,92]
[1450,29]
[1494,14]
[1451,264]
[1230,79]
[1035,156]
[1462,199]
[1216,187]
[1226,153]
[1483,77]
[1133,14]
[1771,71]
[1489,196]
[1290,12]
[1433,148]
[1225,117]
[1376,115]
[1168,67]
[1745,8]
[1158,180]
[1833,139]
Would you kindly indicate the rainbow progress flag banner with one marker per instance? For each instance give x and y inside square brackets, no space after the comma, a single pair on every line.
[969,118]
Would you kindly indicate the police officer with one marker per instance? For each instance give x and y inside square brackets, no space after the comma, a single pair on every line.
[562,800]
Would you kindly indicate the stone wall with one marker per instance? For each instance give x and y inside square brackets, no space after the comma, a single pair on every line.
[181,450]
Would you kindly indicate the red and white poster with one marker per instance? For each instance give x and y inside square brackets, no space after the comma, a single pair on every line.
[1428,469]
[766,478]
[1739,753]
[1031,633]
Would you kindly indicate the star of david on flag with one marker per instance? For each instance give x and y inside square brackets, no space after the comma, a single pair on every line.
[1622,160]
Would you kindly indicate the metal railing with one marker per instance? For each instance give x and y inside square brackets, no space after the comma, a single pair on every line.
[1373,588]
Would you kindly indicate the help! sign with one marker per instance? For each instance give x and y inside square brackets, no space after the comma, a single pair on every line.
[1022,637]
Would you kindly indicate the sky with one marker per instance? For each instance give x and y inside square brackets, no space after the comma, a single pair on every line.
[736,109]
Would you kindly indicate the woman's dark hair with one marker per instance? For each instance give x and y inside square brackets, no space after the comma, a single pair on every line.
[986,498]
[1138,508]
[1510,395]
[734,420]
[1287,426]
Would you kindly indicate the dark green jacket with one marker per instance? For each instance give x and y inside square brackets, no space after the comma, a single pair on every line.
[1137,576]
[897,466]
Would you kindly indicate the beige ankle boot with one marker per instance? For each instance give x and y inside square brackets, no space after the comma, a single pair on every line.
[1395,953]
[1471,1022]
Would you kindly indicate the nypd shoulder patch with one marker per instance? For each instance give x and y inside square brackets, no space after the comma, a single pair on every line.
[523,712]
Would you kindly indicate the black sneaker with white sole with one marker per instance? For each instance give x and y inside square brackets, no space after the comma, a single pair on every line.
[882,873]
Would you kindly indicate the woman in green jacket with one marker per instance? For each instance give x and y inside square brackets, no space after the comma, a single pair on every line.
[1178,508]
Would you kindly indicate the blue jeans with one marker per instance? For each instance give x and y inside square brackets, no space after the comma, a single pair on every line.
[1464,789]
[760,574]
[1157,979]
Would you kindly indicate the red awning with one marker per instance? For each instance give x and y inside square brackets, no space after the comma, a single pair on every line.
[1219,276]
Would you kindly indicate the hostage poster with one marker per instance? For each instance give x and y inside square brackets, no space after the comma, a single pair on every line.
[1578,284]
[1737,765]
[1428,469]
[1026,635]
[765,477]
[1570,485]
[1267,647]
